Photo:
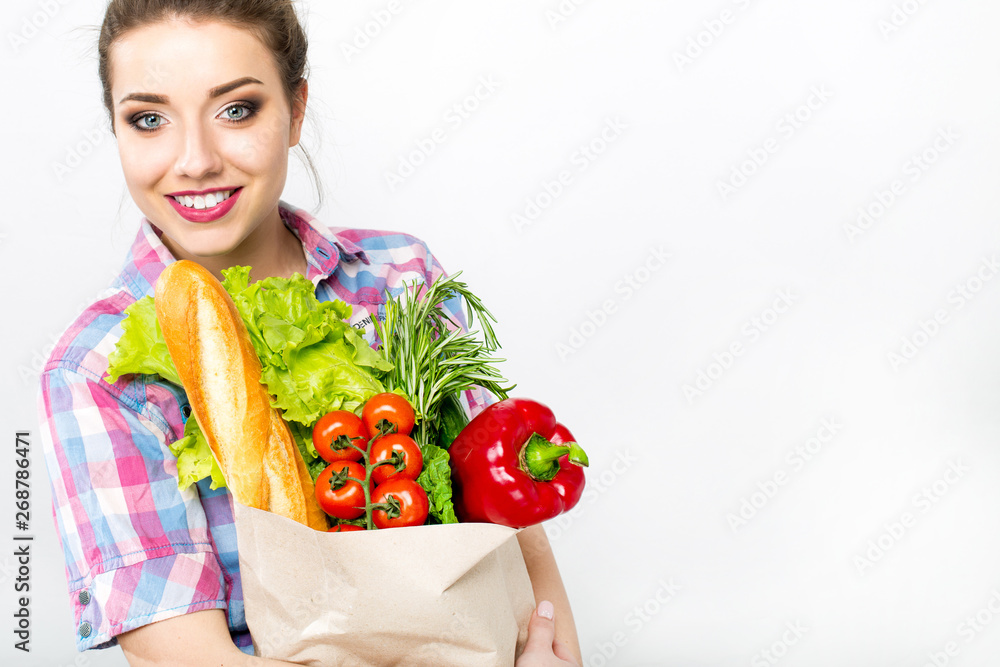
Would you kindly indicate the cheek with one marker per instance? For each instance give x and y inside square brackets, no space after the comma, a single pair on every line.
[143,163]
[262,151]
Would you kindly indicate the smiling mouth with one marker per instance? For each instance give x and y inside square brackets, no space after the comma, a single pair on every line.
[206,207]
[202,202]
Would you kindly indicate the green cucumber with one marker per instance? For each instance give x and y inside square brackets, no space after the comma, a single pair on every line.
[451,420]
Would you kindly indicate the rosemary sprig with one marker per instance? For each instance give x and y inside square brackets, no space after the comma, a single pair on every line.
[432,357]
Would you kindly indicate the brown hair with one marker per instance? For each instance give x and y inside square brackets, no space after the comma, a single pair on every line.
[273,22]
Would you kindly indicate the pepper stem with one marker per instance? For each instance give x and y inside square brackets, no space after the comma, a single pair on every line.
[540,457]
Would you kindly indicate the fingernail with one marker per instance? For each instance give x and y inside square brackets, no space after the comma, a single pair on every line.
[546,610]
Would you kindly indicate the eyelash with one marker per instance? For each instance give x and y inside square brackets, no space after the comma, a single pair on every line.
[251,107]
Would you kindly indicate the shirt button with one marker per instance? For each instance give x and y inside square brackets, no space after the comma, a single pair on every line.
[84,597]
[85,629]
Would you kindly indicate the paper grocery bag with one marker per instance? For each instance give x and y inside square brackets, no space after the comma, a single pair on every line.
[456,594]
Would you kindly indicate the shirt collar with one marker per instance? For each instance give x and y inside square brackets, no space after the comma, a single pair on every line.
[323,249]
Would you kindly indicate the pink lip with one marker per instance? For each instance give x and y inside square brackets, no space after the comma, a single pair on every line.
[192,193]
[205,214]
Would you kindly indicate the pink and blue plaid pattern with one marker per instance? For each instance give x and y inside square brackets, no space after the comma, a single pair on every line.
[138,549]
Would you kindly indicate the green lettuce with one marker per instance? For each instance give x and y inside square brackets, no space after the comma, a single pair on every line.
[312,361]
[194,456]
[435,479]
[141,348]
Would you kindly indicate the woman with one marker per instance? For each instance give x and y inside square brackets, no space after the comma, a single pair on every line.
[206,97]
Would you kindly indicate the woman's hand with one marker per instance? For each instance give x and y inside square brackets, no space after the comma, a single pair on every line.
[542,648]
[546,584]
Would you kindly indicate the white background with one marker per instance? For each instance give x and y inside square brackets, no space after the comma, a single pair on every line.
[822,546]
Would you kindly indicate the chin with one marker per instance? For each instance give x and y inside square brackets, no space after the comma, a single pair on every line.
[204,245]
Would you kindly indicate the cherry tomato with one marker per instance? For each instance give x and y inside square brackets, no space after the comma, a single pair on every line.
[383,450]
[391,407]
[344,528]
[347,501]
[408,501]
[335,432]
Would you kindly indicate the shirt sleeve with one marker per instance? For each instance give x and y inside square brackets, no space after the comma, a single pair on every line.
[137,549]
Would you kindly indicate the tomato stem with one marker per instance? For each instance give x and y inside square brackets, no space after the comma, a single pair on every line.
[385,427]
[343,441]
[391,507]
[367,484]
[339,478]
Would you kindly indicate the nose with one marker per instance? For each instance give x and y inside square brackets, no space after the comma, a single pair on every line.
[199,155]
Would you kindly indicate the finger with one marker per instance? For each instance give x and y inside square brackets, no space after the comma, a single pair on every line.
[541,629]
[562,652]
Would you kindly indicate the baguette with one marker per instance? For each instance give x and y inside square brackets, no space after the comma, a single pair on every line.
[220,371]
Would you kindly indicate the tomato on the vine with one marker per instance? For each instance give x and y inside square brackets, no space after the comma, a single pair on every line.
[408,451]
[391,407]
[404,503]
[344,528]
[334,434]
[339,496]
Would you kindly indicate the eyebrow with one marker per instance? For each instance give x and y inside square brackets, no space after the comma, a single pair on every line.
[153,98]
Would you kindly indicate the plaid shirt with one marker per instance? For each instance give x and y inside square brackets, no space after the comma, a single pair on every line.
[137,548]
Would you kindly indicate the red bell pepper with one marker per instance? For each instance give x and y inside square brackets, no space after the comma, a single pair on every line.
[514,465]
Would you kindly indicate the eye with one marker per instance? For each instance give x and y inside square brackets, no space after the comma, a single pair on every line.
[146,122]
[239,112]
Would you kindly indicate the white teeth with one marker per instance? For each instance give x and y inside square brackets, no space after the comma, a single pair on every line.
[199,202]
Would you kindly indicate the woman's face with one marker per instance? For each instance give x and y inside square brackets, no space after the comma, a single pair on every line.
[204,129]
